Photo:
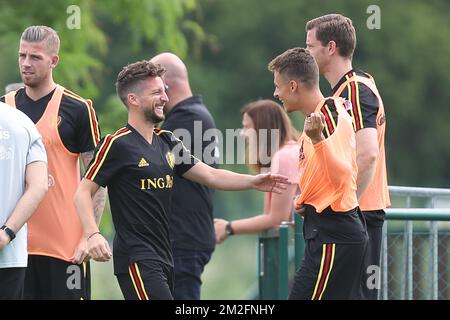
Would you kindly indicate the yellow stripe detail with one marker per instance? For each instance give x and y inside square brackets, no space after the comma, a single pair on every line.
[94,128]
[328,132]
[330,115]
[84,269]
[324,251]
[361,123]
[349,98]
[134,283]
[163,131]
[140,280]
[333,250]
[105,154]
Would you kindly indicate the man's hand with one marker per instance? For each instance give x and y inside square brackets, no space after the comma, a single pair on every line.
[269,182]
[220,227]
[314,125]
[99,248]
[4,239]
[81,253]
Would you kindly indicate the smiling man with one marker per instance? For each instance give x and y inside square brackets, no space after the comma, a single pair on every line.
[334,230]
[138,164]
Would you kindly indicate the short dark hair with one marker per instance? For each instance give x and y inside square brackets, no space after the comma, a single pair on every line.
[299,64]
[337,28]
[132,74]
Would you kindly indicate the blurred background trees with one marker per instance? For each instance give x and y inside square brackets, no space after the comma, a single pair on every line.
[227,45]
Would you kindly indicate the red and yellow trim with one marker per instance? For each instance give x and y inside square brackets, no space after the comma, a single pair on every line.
[326,266]
[138,284]
[95,131]
[329,120]
[353,96]
[103,151]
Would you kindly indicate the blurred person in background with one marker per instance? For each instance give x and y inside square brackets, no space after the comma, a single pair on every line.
[191,227]
[260,119]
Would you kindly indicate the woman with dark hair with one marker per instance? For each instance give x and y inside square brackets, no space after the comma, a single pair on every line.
[270,146]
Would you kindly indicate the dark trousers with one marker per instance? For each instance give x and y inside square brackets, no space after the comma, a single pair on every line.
[11,283]
[371,270]
[329,271]
[54,279]
[188,268]
[147,280]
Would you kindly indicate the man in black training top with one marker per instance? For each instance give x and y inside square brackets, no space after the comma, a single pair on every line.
[138,163]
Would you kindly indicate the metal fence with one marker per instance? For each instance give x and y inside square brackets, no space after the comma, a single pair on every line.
[415,257]
[416,242]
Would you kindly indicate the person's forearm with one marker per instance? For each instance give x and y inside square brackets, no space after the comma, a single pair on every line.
[26,206]
[99,201]
[366,171]
[84,206]
[255,224]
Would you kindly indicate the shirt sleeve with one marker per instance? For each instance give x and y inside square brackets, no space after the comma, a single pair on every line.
[36,151]
[87,127]
[105,163]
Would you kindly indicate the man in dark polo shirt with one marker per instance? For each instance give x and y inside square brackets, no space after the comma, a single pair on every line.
[191,227]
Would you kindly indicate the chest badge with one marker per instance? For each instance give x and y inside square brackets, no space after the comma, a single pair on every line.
[170,159]
[143,163]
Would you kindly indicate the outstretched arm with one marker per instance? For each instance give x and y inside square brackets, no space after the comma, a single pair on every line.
[228,180]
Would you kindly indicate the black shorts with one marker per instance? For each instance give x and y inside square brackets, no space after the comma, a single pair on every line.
[147,280]
[54,279]
[329,271]
[370,283]
[11,283]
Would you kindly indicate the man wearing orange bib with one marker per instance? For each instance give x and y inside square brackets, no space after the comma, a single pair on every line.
[334,229]
[57,267]
[331,39]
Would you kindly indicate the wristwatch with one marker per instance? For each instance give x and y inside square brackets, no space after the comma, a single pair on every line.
[9,232]
[228,229]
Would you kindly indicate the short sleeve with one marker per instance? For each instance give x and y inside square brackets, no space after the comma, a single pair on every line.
[88,131]
[365,106]
[36,151]
[105,163]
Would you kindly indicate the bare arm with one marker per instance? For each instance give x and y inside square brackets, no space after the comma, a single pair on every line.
[366,157]
[228,180]
[97,245]
[99,199]
[36,179]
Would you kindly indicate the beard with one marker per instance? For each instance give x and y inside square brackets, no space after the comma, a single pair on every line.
[31,82]
[152,117]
